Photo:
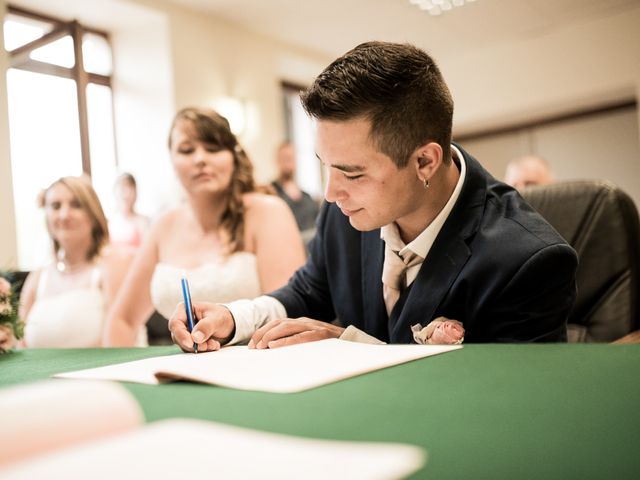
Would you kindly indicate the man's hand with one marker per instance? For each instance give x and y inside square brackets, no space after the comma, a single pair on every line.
[215,326]
[289,331]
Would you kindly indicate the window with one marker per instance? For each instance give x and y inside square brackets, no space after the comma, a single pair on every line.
[301,132]
[60,115]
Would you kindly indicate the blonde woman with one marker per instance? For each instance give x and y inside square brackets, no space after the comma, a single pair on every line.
[64,303]
[231,241]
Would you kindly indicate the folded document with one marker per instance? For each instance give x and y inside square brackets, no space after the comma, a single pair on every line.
[282,370]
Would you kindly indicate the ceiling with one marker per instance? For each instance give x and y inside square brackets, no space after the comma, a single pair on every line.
[331,27]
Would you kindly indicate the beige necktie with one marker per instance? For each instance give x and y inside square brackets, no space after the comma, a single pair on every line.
[394,275]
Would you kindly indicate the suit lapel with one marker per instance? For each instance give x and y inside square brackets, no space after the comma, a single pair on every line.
[446,258]
[434,280]
[375,313]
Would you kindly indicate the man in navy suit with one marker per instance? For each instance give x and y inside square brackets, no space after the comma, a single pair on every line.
[413,229]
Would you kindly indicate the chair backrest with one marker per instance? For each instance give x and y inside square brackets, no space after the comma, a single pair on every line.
[601,223]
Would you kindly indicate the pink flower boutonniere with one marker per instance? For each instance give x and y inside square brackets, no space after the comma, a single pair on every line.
[441,331]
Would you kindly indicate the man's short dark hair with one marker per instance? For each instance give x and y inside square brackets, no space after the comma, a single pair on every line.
[397,87]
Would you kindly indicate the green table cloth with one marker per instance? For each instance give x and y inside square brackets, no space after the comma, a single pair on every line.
[486,411]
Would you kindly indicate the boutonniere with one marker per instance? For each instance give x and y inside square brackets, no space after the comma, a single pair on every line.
[441,331]
[10,324]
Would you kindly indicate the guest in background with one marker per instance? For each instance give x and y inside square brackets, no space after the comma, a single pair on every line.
[64,303]
[127,227]
[231,241]
[305,209]
[528,170]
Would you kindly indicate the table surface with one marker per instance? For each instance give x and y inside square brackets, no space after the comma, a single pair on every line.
[486,411]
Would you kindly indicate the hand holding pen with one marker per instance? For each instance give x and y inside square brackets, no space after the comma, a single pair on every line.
[200,327]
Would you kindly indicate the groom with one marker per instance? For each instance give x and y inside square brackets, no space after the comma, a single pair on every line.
[413,229]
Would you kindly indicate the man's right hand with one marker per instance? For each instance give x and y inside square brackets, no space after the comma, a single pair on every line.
[214,327]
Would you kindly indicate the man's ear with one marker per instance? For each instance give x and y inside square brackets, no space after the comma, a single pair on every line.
[428,159]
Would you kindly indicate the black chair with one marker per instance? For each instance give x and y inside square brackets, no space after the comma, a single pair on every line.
[601,223]
[158,330]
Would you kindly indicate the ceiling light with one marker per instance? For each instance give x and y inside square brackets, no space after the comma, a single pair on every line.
[437,7]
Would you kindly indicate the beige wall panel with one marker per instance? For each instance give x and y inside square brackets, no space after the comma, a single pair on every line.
[600,146]
[495,152]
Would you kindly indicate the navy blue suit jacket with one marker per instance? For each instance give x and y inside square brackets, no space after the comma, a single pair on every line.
[497,266]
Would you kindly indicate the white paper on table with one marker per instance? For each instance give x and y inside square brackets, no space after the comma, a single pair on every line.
[65,429]
[281,370]
[49,415]
[181,448]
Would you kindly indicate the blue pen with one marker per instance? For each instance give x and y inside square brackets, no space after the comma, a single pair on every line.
[188,307]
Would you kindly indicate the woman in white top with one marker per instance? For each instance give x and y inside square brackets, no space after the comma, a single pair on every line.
[64,304]
[231,241]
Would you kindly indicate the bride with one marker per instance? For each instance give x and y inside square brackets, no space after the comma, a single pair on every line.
[231,241]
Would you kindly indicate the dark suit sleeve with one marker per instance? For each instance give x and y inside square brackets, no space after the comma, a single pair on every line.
[535,303]
[308,294]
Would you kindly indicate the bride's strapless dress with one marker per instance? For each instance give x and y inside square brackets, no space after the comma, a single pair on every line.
[234,277]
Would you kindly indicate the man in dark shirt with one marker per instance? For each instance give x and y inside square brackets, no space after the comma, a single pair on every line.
[305,209]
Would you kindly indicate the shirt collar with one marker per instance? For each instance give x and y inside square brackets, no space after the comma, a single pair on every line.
[423,242]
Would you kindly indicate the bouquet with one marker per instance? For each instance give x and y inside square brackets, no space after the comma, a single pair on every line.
[11,328]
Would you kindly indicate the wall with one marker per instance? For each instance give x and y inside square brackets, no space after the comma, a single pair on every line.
[584,64]
[596,146]
[213,59]
[8,250]
[144,102]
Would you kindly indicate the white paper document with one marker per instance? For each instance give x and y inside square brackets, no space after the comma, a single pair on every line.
[188,449]
[78,430]
[282,370]
[54,414]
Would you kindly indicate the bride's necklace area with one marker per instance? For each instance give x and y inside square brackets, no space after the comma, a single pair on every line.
[63,266]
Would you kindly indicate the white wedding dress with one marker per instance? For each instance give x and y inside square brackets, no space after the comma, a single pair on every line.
[234,277]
